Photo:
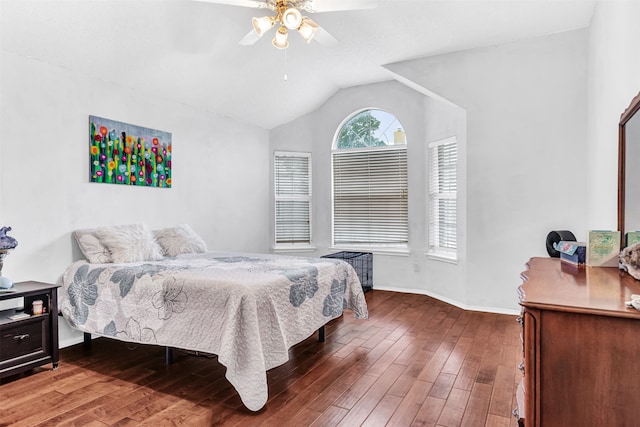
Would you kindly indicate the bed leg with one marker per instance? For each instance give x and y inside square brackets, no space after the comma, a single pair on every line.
[321,334]
[87,340]
[168,355]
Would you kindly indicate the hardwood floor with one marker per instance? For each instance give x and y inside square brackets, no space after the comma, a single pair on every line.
[416,362]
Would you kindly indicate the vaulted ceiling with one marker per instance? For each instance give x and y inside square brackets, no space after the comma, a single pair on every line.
[187,51]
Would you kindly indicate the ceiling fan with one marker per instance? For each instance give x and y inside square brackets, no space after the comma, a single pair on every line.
[289,17]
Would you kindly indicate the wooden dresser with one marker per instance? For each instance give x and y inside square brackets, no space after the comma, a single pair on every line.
[581,346]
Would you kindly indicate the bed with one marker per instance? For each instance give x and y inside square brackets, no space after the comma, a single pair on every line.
[248,309]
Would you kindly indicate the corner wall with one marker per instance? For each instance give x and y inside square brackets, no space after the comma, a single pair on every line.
[526,107]
[613,80]
[424,120]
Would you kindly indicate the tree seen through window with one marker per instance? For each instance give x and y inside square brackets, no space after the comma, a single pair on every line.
[370,128]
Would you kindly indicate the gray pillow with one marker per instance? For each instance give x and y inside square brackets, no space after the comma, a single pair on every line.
[91,247]
[180,239]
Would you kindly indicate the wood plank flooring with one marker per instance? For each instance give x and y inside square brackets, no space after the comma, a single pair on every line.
[416,362]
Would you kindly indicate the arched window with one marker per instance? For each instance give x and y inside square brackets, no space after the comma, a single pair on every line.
[369,162]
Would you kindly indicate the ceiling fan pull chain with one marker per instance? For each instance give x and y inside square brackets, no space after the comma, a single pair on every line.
[285,65]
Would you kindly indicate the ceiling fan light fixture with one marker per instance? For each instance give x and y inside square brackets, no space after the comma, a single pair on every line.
[281,39]
[291,18]
[262,25]
[307,29]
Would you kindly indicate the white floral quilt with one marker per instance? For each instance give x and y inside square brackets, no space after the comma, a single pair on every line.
[248,309]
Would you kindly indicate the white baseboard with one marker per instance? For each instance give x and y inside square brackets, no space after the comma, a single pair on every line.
[69,341]
[450,301]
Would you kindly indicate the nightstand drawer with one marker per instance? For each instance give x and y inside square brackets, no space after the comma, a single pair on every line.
[24,337]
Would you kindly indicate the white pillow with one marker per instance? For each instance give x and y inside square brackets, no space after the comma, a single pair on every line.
[180,239]
[130,243]
[91,247]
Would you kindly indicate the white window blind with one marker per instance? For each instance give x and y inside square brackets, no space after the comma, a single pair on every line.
[292,173]
[370,196]
[443,185]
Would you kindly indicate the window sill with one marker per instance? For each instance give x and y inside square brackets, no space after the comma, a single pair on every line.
[443,257]
[378,250]
[301,249]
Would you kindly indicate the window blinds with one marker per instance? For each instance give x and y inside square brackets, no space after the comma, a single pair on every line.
[293,198]
[370,196]
[442,196]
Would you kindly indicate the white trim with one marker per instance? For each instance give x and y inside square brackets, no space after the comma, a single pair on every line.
[443,257]
[69,341]
[447,140]
[292,153]
[376,250]
[278,249]
[367,149]
[449,300]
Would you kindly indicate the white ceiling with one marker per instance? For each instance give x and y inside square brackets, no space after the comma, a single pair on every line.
[188,51]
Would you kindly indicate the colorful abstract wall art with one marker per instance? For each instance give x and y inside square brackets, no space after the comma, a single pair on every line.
[120,153]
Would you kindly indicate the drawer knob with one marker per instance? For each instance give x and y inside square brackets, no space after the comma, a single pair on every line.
[21,337]
[521,367]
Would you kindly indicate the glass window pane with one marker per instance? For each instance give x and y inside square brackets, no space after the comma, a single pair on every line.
[371,128]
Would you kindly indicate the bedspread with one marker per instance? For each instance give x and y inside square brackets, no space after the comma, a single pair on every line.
[248,309]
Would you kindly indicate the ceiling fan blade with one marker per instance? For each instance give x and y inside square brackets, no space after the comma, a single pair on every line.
[257,4]
[323,37]
[249,39]
[338,5]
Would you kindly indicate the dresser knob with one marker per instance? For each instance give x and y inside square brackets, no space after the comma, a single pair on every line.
[21,337]
[521,367]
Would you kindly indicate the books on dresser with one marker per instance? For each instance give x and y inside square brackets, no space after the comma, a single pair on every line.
[632,238]
[603,247]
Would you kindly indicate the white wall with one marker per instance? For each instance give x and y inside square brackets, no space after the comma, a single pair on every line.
[444,280]
[1,97]
[613,80]
[526,115]
[218,169]
[526,106]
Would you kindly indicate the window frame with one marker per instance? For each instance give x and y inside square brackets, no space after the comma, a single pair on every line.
[308,198]
[436,249]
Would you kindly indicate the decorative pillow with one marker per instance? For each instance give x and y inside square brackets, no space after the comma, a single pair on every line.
[180,239]
[91,247]
[130,243]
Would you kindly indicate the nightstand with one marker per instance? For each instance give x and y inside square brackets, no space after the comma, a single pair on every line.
[30,341]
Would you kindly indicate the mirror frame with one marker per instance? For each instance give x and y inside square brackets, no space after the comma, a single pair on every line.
[633,107]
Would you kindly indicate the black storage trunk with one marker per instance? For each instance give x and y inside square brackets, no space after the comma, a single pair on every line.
[362,262]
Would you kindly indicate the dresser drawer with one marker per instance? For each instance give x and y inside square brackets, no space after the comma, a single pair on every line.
[24,338]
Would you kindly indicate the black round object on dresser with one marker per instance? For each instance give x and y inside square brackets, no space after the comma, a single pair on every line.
[557,236]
